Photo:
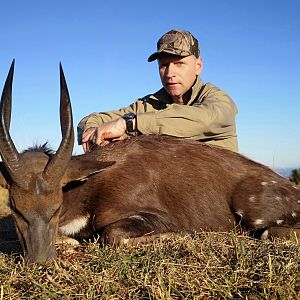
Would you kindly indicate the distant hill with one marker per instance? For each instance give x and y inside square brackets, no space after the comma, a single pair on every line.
[286,172]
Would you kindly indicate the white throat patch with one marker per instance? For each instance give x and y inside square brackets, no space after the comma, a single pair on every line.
[74,226]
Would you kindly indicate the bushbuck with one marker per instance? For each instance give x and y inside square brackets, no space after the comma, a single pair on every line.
[128,190]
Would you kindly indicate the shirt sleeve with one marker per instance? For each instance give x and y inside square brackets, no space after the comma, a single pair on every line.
[96,119]
[213,117]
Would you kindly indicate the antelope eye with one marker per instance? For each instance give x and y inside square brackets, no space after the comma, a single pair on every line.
[53,213]
[18,216]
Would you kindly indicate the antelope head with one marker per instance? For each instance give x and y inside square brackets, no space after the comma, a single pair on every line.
[35,179]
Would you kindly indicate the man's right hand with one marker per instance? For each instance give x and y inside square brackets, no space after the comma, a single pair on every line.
[101,135]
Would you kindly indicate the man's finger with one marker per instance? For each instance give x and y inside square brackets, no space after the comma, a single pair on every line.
[104,143]
[107,135]
[87,134]
[101,137]
[84,146]
[86,137]
[87,147]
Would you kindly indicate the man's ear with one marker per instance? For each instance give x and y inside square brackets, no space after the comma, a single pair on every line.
[199,65]
[80,170]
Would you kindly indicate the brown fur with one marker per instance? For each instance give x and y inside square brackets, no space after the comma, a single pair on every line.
[161,184]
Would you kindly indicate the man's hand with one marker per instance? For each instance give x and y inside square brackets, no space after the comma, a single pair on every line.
[102,134]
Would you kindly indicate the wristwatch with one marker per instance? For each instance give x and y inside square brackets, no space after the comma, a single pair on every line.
[129,117]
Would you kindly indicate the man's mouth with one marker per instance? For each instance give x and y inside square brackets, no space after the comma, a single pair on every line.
[171,83]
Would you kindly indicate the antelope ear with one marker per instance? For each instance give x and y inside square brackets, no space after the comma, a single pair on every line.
[80,170]
[3,181]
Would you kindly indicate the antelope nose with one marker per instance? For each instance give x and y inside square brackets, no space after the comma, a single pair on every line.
[41,258]
[41,254]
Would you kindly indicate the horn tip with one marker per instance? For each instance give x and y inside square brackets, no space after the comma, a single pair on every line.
[61,71]
[12,66]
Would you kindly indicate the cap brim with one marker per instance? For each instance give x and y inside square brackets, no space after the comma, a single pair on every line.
[153,56]
[156,55]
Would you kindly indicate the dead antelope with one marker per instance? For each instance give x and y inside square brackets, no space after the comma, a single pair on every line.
[148,185]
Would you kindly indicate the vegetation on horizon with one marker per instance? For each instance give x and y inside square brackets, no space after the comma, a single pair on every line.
[295,176]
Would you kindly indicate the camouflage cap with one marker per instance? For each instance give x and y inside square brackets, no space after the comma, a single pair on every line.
[177,42]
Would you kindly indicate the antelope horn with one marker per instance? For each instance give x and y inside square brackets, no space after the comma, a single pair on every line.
[9,153]
[56,167]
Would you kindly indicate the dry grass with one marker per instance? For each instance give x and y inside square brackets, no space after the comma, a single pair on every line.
[206,266]
[3,199]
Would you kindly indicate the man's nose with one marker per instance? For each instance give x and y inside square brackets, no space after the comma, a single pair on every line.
[170,71]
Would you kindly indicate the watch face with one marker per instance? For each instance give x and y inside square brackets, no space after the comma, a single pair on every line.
[128,119]
[129,116]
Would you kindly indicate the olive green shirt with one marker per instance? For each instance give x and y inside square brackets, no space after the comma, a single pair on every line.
[209,116]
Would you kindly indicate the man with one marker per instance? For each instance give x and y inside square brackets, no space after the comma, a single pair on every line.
[185,107]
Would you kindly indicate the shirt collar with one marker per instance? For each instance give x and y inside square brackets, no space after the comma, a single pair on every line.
[195,90]
[163,96]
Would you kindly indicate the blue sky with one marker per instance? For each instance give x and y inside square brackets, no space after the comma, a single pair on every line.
[250,49]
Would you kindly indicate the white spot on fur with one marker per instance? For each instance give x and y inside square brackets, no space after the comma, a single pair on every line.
[264,183]
[240,213]
[258,222]
[75,225]
[278,198]
[137,217]
[252,198]
[295,187]
[298,201]
[294,215]
[265,235]
[274,182]
[278,222]
[125,241]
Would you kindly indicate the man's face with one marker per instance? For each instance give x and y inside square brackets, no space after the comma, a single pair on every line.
[178,74]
